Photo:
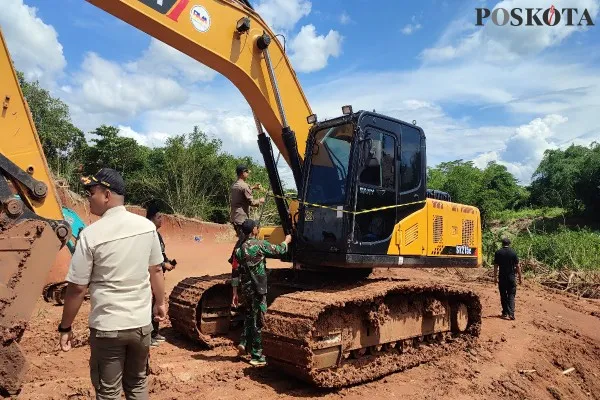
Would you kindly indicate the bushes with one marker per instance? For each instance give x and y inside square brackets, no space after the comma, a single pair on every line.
[572,249]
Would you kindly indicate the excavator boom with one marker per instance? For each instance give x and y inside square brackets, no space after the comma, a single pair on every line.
[214,33]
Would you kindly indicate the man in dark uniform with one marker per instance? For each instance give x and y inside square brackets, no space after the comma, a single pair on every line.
[167,265]
[507,261]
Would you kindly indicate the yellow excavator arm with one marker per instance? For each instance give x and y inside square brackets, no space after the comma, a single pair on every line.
[31,227]
[226,36]
[20,144]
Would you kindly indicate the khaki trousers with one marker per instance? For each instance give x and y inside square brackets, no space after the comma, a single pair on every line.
[119,358]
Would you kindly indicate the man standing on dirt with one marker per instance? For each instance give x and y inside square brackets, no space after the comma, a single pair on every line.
[119,257]
[241,199]
[507,261]
[250,254]
[155,216]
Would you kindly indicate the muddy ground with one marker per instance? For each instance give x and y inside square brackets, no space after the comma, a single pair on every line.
[522,359]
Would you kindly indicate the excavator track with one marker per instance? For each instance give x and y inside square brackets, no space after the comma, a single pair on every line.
[331,333]
[56,292]
[200,308]
[347,335]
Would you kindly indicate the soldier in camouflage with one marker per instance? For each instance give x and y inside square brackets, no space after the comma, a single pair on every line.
[249,271]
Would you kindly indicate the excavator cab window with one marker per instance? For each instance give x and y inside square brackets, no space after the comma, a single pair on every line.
[329,165]
[376,188]
[410,159]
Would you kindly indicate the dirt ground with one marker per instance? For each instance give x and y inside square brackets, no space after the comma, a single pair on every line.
[522,359]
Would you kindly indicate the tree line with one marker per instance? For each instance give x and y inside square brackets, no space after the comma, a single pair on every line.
[568,179]
[191,174]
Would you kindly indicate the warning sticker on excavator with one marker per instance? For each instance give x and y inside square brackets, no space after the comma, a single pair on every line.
[200,18]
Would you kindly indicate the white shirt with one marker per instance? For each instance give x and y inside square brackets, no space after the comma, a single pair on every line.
[113,256]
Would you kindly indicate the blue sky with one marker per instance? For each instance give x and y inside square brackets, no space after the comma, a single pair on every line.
[480,93]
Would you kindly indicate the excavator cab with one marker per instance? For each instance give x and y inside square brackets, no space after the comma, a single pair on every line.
[363,173]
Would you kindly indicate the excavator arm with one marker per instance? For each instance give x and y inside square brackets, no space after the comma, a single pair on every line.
[231,38]
[31,227]
[227,36]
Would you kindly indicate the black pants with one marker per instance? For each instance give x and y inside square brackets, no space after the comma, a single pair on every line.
[508,290]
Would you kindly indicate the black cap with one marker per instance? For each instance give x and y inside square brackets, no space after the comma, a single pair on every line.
[241,168]
[107,177]
[505,241]
[248,226]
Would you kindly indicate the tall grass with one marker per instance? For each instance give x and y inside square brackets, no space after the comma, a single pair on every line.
[577,249]
[573,249]
[525,213]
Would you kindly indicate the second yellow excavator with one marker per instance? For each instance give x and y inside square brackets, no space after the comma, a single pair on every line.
[362,204]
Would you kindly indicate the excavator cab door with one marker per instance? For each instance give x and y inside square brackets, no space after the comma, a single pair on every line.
[375,204]
[323,220]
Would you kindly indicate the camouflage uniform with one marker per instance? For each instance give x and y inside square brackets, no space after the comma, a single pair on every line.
[252,275]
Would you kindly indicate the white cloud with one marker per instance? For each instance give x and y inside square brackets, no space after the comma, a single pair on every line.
[345,18]
[525,148]
[505,43]
[310,52]
[221,112]
[409,29]
[282,15]
[162,59]
[33,44]
[107,87]
[527,95]
[150,139]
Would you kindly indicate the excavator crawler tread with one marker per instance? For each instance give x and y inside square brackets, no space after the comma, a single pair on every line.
[307,330]
[186,305]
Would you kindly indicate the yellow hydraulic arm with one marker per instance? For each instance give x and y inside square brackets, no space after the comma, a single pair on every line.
[20,143]
[207,31]
[31,227]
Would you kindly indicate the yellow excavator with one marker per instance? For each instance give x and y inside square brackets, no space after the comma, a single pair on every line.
[362,203]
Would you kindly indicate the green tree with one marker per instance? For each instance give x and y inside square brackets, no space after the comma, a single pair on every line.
[499,190]
[63,143]
[553,182]
[461,179]
[113,151]
[587,184]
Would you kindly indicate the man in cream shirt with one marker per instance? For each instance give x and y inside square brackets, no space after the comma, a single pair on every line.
[119,257]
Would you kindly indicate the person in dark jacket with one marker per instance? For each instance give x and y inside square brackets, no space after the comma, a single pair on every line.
[506,262]
[167,265]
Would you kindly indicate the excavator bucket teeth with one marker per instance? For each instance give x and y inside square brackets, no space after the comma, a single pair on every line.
[24,249]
